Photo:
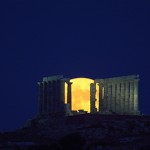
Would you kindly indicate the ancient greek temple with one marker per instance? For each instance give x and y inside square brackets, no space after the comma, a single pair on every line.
[117,95]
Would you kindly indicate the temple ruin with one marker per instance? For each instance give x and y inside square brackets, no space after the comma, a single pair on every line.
[117,95]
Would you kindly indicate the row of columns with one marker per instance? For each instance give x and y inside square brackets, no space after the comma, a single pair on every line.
[51,97]
[119,97]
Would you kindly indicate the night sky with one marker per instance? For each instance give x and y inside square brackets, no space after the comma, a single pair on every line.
[94,39]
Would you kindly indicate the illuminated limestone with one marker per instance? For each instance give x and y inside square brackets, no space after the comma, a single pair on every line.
[120,95]
[117,95]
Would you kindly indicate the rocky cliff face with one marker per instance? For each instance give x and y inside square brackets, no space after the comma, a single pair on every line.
[86,132]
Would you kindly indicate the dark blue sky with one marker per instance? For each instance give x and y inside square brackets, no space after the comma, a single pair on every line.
[95,39]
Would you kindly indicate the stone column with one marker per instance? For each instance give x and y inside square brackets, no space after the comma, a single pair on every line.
[92,98]
[105,96]
[44,97]
[122,104]
[127,96]
[113,97]
[62,96]
[54,96]
[51,97]
[48,97]
[40,98]
[131,97]
[62,90]
[136,96]
[50,106]
[101,97]
[58,95]
[69,95]
[118,98]
[109,97]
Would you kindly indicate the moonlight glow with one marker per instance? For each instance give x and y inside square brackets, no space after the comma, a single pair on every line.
[81,93]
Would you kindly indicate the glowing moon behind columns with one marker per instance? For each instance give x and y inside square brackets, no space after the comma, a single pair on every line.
[81,93]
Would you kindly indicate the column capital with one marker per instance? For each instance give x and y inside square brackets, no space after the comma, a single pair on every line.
[100,81]
[69,83]
[100,84]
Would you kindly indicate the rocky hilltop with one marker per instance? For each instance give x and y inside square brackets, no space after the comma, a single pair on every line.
[81,132]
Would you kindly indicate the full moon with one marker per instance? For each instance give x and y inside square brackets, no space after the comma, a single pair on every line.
[81,93]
